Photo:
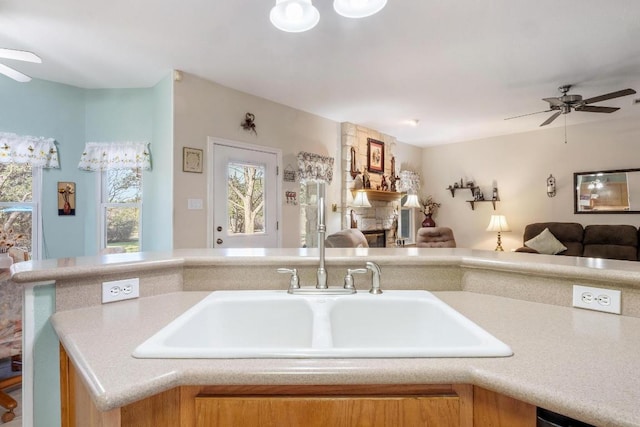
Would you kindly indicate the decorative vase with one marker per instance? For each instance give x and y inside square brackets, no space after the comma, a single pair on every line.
[67,208]
[428,221]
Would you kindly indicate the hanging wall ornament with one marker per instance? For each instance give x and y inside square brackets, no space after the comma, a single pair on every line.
[249,123]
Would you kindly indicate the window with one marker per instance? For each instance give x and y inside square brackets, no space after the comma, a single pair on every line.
[121,209]
[245,198]
[406,226]
[19,201]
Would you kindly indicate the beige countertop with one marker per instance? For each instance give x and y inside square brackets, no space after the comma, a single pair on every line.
[580,363]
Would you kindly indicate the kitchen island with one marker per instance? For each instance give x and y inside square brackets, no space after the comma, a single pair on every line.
[576,362]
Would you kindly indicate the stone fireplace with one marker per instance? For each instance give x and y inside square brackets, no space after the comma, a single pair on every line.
[381,217]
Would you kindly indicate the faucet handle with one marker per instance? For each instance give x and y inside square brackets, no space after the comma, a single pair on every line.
[348,279]
[294,282]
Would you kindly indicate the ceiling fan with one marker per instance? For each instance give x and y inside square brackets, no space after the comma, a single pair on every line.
[18,55]
[565,103]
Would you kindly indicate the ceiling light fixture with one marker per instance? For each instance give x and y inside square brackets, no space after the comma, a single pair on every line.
[358,8]
[296,16]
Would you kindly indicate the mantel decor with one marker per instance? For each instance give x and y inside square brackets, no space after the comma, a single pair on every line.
[375,156]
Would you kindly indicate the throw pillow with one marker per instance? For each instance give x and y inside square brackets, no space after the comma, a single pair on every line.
[546,243]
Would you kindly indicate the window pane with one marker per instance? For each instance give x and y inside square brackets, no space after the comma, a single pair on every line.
[245,207]
[15,183]
[124,186]
[122,228]
[16,227]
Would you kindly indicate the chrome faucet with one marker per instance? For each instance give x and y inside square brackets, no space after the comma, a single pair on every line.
[321,287]
[375,277]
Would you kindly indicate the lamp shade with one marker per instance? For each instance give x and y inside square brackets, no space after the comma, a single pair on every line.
[412,201]
[361,200]
[294,16]
[498,223]
[358,8]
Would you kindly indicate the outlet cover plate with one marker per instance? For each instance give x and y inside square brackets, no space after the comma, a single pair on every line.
[118,290]
[599,299]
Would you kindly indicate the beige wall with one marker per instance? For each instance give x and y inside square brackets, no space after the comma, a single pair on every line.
[204,109]
[519,165]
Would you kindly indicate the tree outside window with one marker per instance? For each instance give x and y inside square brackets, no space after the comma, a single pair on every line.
[16,206]
[122,206]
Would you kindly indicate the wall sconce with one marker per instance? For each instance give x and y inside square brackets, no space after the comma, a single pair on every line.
[498,223]
[551,186]
[353,169]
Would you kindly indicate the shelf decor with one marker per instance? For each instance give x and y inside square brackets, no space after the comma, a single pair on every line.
[375,156]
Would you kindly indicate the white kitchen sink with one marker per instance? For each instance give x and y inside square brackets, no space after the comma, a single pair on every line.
[274,324]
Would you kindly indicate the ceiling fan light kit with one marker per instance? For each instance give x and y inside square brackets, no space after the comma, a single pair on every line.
[17,55]
[296,16]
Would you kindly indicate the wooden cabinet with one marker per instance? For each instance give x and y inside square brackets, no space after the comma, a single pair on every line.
[385,405]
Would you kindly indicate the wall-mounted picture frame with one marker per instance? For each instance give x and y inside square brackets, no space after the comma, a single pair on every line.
[191,160]
[66,198]
[375,156]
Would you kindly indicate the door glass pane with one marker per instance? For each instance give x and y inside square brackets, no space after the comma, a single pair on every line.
[122,228]
[15,183]
[245,198]
[123,186]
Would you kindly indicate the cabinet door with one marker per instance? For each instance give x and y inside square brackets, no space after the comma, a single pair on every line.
[438,411]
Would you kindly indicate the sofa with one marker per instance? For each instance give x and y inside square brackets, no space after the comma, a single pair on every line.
[595,241]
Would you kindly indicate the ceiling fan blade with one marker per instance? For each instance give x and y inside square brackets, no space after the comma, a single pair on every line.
[530,114]
[20,55]
[596,109]
[14,74]
[611,95]
[552,118]
[554,102]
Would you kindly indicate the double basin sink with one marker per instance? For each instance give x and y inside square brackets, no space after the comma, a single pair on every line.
[274,324]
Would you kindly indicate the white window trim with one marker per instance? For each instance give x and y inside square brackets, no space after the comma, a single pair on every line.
[36,219]
[102,211]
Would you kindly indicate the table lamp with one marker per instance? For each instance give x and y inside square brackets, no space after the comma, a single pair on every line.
[498,223]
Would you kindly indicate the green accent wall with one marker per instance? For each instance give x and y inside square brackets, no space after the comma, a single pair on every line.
[74,116]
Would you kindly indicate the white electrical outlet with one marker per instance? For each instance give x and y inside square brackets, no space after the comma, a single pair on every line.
[119,290]
[599,299]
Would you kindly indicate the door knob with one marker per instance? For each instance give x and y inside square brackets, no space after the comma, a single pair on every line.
[219,241]
[219,228]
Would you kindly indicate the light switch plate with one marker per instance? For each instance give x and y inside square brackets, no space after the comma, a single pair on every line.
[194,204]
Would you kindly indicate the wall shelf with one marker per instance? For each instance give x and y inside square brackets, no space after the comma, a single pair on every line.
[380,196]
[453,190]
[473,202]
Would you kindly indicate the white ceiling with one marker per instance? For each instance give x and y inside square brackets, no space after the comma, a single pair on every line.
[459,66]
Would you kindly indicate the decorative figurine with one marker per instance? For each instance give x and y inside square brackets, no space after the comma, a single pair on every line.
[384,185]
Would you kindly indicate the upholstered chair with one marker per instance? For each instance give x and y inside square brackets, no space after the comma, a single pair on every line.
[348,238]
[435,237]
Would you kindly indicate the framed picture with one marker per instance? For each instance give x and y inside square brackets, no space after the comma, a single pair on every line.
[191,160]
[66,198]
[375,156]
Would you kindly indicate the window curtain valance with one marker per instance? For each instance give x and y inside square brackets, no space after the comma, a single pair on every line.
[315,168]
[39,152]
[101,156]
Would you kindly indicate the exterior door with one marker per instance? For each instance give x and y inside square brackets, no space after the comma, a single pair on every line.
[245,196]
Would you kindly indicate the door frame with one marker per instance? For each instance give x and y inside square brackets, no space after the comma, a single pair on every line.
[211,141]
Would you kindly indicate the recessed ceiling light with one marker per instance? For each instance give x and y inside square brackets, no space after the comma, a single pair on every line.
[413,122]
